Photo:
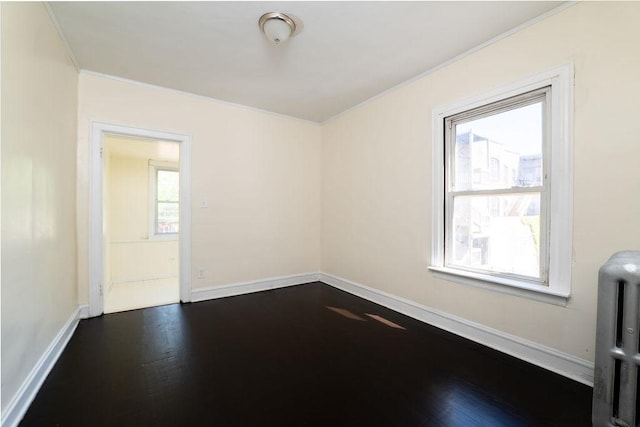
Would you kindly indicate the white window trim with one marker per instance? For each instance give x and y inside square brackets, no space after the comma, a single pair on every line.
[154,167]
[560,160]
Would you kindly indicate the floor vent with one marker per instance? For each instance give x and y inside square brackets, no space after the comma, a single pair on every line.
[616,401]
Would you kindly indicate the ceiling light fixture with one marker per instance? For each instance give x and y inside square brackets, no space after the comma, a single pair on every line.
[277,26]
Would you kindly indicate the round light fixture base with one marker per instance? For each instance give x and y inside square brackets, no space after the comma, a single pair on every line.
[277,26]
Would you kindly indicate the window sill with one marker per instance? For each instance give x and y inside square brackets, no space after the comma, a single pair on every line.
[503,285]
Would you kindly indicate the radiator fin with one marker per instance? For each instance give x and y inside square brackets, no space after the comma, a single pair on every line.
[616,401]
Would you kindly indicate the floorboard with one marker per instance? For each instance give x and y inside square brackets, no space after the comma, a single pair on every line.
[307,355]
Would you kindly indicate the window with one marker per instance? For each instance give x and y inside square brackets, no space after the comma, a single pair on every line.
[502,188]
[165,209]
[503,220]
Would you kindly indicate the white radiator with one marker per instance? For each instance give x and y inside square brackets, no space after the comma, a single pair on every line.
[615,390]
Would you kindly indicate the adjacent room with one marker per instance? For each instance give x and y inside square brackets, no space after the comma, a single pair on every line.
[315,213]
[141,204]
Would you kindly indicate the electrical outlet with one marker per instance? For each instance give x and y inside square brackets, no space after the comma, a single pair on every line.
[204,203]
[202,273]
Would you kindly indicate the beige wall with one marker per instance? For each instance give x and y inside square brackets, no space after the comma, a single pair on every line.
[259,172]
[39,95]
[128,213]
[376,183]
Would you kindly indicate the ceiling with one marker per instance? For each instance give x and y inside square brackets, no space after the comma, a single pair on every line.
[342,54]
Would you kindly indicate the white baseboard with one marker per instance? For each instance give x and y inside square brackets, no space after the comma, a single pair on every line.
[20,402]
[570,366]
[212,292]
[83,311]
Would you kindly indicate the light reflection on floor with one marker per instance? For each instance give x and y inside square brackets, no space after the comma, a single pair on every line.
[346,313]
[466,407]
[384,321]
[350,315]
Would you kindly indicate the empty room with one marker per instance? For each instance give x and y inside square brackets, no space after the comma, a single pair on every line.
[320,213]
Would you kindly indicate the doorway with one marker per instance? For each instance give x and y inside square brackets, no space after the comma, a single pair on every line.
[139,219]
[141,205]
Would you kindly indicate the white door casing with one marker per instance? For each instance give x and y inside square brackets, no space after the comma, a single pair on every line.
[96,160]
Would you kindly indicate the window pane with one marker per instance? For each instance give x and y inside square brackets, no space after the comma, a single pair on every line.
[168,185]
[503,150]
[498,233]
[168,217]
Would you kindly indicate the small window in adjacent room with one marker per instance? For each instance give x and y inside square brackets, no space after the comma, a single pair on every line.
[502,188]
[165,207]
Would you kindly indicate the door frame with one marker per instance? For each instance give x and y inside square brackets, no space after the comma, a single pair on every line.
[96,201]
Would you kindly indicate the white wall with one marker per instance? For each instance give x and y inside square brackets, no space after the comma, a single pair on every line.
[259,172]
[39,101]
[376,173]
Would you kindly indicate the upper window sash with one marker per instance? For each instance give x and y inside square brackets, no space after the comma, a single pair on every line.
[523,100]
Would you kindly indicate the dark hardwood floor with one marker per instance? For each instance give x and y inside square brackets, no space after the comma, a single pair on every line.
[300,356]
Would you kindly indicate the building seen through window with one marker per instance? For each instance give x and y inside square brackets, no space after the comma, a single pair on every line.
[167,201]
